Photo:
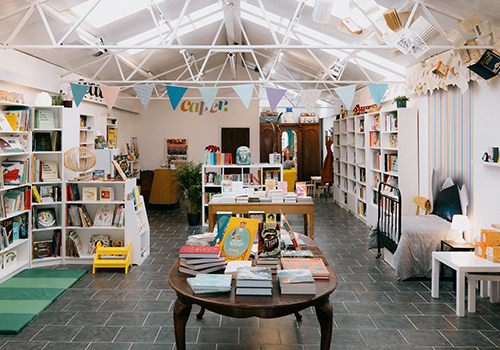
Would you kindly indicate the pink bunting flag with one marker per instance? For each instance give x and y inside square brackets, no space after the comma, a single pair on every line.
[110,93]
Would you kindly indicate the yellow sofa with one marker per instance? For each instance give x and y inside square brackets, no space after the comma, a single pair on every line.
[289,175]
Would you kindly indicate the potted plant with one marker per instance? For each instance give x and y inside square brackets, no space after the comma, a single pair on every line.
[189,177]
[400,101]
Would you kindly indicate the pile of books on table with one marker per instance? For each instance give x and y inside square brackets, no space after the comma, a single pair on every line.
[316,266]
[202,239]
[297,254]
[290,197]
[272,264]
[254,281]
[276,196]
[204,283]
[233,266]
[201,259]
[304,199]
[296,281]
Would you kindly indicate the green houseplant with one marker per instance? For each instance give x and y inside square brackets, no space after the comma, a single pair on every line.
[188,177]
[400,101]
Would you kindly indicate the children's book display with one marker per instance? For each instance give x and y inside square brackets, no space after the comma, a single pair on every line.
[238,238]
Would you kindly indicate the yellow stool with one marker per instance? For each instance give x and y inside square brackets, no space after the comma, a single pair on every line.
[113,261]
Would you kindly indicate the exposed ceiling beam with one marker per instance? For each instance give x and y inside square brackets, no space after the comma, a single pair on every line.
[232,16]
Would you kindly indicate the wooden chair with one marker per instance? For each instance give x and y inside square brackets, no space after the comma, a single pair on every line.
[423,203]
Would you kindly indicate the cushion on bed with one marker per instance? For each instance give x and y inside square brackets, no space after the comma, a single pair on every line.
[447,203]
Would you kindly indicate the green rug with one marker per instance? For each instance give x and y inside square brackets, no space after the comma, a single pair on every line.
[28,293]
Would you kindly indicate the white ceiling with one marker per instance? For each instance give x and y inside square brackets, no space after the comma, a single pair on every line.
[207,27]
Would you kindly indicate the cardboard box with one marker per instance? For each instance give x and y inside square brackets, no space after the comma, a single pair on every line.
[480,249]
[490,237]
[493,253]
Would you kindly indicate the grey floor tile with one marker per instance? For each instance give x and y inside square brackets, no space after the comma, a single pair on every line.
[219,335]
[24,345]
[127,319]
[469,338]
[96,334]
[382,337]
[392,322]
[137,334]
[260,335]
[53,345]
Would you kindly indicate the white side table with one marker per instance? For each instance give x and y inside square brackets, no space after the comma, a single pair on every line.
[461,262]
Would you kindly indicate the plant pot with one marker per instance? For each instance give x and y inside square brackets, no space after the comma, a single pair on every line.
[194,219]
[401,104]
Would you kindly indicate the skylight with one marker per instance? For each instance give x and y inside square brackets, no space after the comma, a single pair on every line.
[108,11]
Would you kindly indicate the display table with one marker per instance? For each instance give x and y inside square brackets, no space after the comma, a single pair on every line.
[163,189]
[462,263]
[269,208]
[242,306]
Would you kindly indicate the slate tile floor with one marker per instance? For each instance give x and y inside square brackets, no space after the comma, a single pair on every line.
[372,309]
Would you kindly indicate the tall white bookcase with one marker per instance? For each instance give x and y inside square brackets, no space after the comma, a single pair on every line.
[363,148]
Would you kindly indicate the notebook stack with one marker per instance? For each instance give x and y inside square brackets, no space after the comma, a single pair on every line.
[200,260]
[242,198]
[233,266]
[204,283]
[202,239]
[276,196]
[315,265]
[254,281]
[272,264]
[304,199]
[290,197]
[296,281]
[297,254]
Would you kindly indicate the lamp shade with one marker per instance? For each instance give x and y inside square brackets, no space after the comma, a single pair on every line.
[322,10]
[460,223]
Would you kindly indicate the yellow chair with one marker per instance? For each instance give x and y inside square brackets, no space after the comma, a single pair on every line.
[112,261]
[423,203]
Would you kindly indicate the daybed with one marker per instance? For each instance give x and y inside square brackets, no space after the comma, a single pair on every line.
[412,239]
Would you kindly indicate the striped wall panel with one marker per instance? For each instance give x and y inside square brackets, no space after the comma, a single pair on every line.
[450,134]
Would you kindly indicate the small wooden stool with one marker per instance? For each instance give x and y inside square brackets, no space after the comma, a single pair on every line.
[326,188]
[114,259]
[310,190]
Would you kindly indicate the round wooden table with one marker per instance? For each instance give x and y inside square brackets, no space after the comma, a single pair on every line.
[277,305]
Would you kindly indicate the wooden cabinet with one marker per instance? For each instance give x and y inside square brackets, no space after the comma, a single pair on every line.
[307,146]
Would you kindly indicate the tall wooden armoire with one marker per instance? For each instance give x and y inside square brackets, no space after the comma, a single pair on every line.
[308,146]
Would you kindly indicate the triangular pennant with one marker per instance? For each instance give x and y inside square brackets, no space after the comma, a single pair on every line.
[346,94]
[377,91]
[208,94]
[245,93]
[110,93]
[274,96]
[79,91]
[144,93]
[175,94]
[310,97]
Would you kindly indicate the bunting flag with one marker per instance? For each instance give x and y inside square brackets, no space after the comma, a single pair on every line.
[208,94]
[377,91]
[274,96]
[110,93]
[144,93]
[245,93]
[310,97]
[79,91]
[346,94]
[175,94]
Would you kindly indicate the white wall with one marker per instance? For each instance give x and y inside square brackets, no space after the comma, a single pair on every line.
[160,121]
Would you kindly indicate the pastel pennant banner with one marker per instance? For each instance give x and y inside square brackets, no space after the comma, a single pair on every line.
[346,94]
[79,91]
[310,97]
[175,94]
[245,93]
[110,93]
[144,93]
[208,94]
[378,91]
[274,96]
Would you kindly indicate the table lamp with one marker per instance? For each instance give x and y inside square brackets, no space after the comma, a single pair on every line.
[461,224]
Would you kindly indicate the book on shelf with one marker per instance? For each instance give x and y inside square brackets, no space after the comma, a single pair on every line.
[315,265]
[4,123]
[137,198]
[106,193]
[296,281]
[50,171]
[48,193]
[112,137]
[35,194]
[14,172]
[43,249]
[104,239]
[215,283]
[14,143]
[9,259]
[89,193]
[119,170]
[199,252]
[75,247]
[42,142]
[119,216]
[44,119]
[104,215]
[56,141]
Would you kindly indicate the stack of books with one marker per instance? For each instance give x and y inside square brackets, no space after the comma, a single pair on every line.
[276,196]
[254,281]
[233,266]
[316,266]
[287,241]
[210,283]
[253,199]
[296,281]
[202,239]
[304,199]
[297,254]
[201,260]
[228,197]
[290,197]
[272,264]
[242,198]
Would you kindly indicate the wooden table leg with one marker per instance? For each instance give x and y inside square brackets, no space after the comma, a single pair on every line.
[324,313]
[200,314]
[181,315]
[306,232]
